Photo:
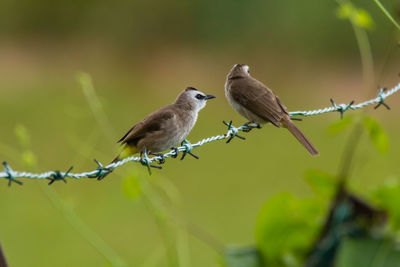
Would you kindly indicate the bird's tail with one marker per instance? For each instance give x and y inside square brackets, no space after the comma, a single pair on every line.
[300,136]
[127,151]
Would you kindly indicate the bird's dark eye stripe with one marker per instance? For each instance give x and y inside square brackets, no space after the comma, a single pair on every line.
[200,97]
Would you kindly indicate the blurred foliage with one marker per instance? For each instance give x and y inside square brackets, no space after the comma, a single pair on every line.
[284,228]
[377,134]
[221,193]
[131,187]
[28,158]
[322,183]
[387,196]
[243,257]
[145,23]
[368,252]
[340,125]
[22,136]
[360,17]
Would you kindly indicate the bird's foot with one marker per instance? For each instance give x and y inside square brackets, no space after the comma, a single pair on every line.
[145,161]
[162,157]
[176,152]
[250,125]
[296,119]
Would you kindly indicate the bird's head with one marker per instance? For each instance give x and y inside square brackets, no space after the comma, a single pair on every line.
[193,99]
[239,71]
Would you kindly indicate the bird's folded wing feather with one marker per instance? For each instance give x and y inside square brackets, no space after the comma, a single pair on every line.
[152,123]
[257,98]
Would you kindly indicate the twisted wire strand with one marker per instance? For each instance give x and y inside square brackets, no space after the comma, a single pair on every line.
[11,175]
[379,99]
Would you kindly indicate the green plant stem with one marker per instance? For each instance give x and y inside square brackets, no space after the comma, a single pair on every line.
[381,254]
[366,55]
[387,14]
[365,50]
[95,105]
[154,258]
[81,227]
[77,223]
[173,208]
[160,217]
[349,152]
[149,199]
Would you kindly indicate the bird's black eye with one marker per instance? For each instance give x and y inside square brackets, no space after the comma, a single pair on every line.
[200,97]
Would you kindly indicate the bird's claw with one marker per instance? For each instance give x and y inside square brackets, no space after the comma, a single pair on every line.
[162,157]
[176,150]
[144,160]
[250,125]
[296,119]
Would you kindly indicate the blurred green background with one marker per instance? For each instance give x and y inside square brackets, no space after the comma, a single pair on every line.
[141,55]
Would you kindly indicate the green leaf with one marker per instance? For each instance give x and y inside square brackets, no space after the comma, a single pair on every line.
[358,16]
[377,134]
[367,252]
[345,11]
[340,125]
[363,19]
[131,187]
[29,159]
[285,227]
[387,196]
[242,257]
[22,135]
[322,183]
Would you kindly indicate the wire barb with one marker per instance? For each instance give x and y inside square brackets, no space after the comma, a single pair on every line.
[58,176]
[101,171]
[233,131]
[188,148]
[342,108]
[10,176]
[381,96]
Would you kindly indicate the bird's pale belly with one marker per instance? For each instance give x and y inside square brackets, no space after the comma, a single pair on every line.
[165,142]
[243,111]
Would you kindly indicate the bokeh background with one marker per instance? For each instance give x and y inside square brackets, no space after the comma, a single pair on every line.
[140,56]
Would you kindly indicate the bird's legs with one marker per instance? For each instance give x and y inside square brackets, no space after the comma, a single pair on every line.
[162,157]
[144,159]
[296,119]
[250,125]
[176,152]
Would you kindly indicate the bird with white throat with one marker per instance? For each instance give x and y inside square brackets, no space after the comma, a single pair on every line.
[166,127]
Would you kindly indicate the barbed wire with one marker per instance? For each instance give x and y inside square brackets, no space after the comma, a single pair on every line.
[186,147]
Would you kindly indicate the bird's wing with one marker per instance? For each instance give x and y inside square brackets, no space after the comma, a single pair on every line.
[258,98]
[152,123]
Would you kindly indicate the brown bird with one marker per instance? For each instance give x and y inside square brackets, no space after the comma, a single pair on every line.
[166,127]
[256,102]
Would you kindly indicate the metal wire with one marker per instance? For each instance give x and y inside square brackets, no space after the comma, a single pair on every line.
[186,147]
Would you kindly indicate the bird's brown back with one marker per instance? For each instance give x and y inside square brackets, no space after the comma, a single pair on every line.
[153,122]
[257,98]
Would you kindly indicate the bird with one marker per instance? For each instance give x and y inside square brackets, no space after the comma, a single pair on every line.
[165,128]
[259,104]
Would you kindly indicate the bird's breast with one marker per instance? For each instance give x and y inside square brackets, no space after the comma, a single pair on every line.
[241,109]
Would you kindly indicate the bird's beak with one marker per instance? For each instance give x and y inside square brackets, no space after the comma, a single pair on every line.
[209,97]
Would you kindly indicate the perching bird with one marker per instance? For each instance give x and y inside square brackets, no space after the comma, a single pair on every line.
[166,127]
[256,102]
